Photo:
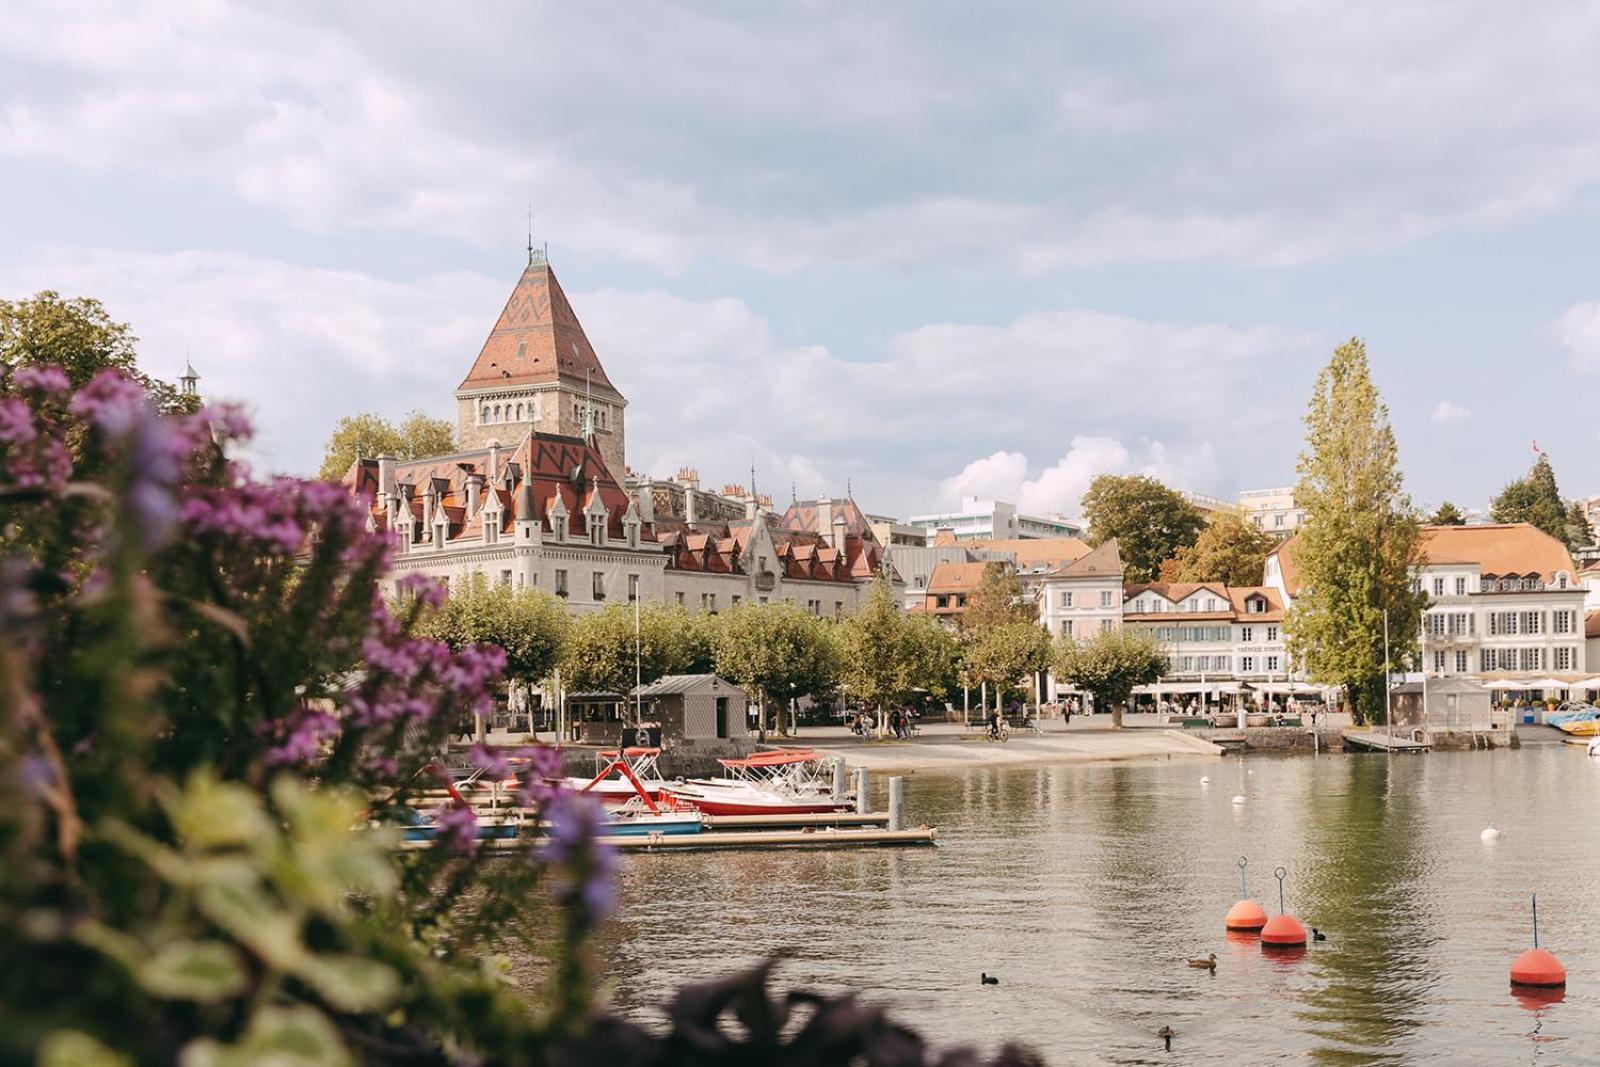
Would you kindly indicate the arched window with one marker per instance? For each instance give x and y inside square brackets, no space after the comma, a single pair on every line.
[497,413]
[483,416]
[519,412]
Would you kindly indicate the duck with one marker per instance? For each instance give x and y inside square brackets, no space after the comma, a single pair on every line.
[1166,1034]
[1318,935]
[988,979]
[1209,963]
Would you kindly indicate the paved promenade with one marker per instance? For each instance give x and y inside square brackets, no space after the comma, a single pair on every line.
[946,746]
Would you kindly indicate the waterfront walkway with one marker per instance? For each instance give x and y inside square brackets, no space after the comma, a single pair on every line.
[944,746]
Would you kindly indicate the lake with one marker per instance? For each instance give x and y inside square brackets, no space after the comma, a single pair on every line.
[1085,888]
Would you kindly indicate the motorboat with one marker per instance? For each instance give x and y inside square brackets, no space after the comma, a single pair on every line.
[617,772]
[774,782]
[635,819]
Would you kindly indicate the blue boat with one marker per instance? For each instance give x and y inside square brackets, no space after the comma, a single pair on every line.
[627,822]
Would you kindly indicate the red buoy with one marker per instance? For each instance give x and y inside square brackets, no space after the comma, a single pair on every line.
[1539,969]
[1246,915]
[1283,931]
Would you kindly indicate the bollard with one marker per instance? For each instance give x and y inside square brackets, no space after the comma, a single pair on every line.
[838,779]
[897,803]
[862,804]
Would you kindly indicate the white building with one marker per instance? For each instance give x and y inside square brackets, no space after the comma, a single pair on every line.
[981,520]
[1272,510]
[1504,600]
[1215,636]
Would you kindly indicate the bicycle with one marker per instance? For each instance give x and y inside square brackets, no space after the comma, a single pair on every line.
[1001,731]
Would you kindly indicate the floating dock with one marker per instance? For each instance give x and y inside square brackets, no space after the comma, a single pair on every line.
[1371,741]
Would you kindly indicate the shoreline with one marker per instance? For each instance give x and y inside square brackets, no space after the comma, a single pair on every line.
[960,752]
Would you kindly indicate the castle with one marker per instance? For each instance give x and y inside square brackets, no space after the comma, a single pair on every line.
[540,497]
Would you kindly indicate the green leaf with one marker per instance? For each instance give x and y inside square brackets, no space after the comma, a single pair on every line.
[241,907]
[70,1048]
[277,1037]
[204,971]
[213,814]
[351,983]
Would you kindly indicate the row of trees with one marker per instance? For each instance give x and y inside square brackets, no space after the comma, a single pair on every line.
[880,657]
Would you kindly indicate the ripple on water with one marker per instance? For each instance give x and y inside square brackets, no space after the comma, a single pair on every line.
[1086,888]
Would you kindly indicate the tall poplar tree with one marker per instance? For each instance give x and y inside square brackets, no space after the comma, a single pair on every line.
[1360,539]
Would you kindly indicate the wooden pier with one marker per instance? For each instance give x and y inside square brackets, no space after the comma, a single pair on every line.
[810,837]
[1372,741]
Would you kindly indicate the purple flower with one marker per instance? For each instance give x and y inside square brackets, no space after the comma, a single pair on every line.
[304,739]
[574,847]
[492,761]
[16,423]
[458,827]
[541,776]
[112,402]
[228,420]
[47,379]
[423,588]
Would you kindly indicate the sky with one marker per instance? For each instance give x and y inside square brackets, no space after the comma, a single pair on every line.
[924,250]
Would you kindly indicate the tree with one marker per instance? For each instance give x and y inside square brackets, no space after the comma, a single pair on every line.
[886,655]
[530,625]
[599,653]
[998,600]
[1447,515]
[1230,550]
[1110,665]
[367,435]
[1003,655]
[1359,543]
[1150,522]
[1537,500]
[80,337]
[777,652]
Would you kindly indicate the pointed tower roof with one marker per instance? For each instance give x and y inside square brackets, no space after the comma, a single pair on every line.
[537,339]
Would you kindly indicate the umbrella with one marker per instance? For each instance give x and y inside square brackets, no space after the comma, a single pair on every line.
[1546,683]
[1505,684]
[1590,684]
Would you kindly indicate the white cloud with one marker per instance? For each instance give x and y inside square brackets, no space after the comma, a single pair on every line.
[709,383]
[1578,330]
[1450,412]
[669,136]
[1059,488]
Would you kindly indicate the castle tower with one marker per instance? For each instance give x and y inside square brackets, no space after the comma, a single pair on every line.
[538,371]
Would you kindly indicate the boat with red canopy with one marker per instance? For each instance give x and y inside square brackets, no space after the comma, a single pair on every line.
[785,781]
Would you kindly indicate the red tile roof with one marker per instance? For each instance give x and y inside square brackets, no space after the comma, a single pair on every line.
[537,339]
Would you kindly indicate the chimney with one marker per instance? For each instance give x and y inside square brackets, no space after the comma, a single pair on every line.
[690,511]
[752,506]
[474,492]
[646,501]
[494,462]
[386,473]
[840,531]
[825,517]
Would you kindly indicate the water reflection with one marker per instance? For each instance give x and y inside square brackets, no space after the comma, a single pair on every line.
[1087,888]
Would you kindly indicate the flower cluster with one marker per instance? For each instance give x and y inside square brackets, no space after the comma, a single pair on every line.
[541,776]
[300,737]
[575,848]
[458,827]
[33,453]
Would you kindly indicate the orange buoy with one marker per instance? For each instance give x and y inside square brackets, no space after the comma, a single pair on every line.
[1246,915]
[1283,931]
[1538,968]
